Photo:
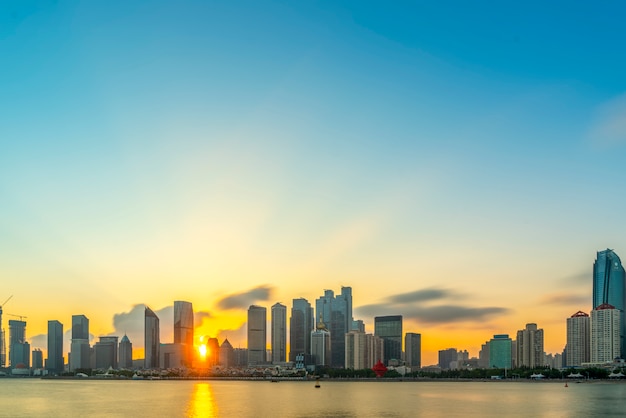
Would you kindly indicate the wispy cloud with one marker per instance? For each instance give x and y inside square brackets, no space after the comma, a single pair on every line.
[566,299]
[424,295]
[244,299]
[433,314]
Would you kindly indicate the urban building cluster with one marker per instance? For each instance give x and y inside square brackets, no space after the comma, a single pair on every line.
[329,336]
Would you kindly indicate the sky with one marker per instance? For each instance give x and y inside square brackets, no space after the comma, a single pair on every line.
[458,164]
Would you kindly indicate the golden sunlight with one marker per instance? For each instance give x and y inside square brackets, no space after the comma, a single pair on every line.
[202,402]
[202,350]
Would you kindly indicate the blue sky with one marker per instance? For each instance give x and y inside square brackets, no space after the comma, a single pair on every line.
[214,147]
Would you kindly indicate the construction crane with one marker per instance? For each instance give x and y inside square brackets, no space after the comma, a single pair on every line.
[5,302]
[18,316]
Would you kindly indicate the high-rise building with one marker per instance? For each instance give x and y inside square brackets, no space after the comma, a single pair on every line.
[609,287]
[300,328]
[413,349]
[389,328]
[183,329]
[125,352]
[37,359]
[447,357]
[500,351]
[578,338]
[321,348]
[152,341]
[356,350]
[54,363]
[257,335]
[106,352]
[375,350]
[530,347]
[227,354]
[279,333]
[336,313]
[19,349]
[79,347]
[605,330]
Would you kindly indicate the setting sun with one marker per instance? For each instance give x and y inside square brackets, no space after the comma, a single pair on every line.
[202,350]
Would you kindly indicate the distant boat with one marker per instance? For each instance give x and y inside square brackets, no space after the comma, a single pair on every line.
[317,382]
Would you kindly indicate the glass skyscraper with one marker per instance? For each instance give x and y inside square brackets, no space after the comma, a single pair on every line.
[389,328]
[257,335]
[54,363]
[300,328]
[183,329]
[279,333]
[336,313]
[152,341]
[609,287]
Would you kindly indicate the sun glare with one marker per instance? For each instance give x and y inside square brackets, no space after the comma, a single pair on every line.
[203,351]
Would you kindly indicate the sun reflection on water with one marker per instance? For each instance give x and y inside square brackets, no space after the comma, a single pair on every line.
[202,402]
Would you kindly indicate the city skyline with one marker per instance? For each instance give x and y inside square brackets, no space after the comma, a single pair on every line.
[458,166]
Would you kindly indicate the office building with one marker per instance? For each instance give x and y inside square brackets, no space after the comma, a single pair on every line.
[257,335]
[336,313]
[300,328]
[356,350]
[447,357]
[19,349]
[171,356]
[609,287]
[183,329]
[106,351]
[578,340]
[125,353]
[279,333]
[321,348]
[413,350]
[529,346]
[500,351]
[152,340]
[227,354]
[37,359]
[79,346]
[389,328]
[55,363]
[375,350]
[605,333]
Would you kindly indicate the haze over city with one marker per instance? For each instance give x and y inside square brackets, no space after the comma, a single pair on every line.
[454,164]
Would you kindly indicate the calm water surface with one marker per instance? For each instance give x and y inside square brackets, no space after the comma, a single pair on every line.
[71,398]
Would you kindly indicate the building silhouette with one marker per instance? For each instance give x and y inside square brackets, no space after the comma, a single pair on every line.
[300,328]
[106,351]
[151,339]
[125,353]
[447,357]
[19,349]
[413,349]
[37,359]
[79,346]
[279,333]
[578,340]
[183,329]
[609,287]
[336,313]
[227,354]
[257,335]
[389,328]
[54,362]
[529,345]
[605,333]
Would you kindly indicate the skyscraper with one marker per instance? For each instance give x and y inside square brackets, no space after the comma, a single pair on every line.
[183,329]
[54,363]
[125,352]
[300,328]
[279,333]
[257,334]
[106,352]
[578,338]
[321,347]
[151,339]
[19,349]
[530,347]
[389,328]
[79,347]
[336,314]
[413,349]
[500,351]
[609,287]
[605,329]
[447,357]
